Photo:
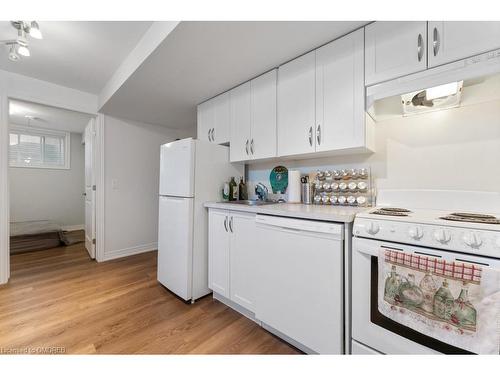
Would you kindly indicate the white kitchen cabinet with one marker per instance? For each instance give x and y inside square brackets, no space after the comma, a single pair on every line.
[340,109]
[218,254]
[222,118]
[394,49]
[239,149]
[253,119]
[242,259]
[232,259]
[296,106]
[454,40]
[214,119]
[205,121]
[263,130]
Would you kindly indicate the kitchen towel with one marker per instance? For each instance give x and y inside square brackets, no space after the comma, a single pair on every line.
[455,302]
[293,186]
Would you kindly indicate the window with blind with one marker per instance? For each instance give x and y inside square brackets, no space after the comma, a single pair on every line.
[38,148]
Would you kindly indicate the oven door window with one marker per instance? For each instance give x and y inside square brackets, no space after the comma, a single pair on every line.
[381,320]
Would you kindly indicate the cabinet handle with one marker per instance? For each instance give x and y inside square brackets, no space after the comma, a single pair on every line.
[231,224]
[435,41]
[209,131]
[318,134]
[225,223]
[251,146]
[246,146]
[311,136]
[420,47]
[213,134]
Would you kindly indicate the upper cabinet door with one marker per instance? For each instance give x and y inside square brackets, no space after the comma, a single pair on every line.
[454,40]
[394,49]
[296,106]
[340,119]
[240,123]
[263,133]
[205,121]
[221,118]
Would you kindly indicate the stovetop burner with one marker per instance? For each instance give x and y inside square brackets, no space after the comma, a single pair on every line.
[472,218]
[391,211]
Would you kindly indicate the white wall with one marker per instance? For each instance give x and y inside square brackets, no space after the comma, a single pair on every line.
[453,149]
[50,194]
[131,178]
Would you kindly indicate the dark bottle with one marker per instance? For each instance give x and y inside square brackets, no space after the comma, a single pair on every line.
[242,190]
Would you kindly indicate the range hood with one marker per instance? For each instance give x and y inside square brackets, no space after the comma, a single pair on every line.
[470,81]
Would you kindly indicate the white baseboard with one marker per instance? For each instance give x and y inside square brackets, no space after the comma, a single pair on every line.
[70,228]
[120,253]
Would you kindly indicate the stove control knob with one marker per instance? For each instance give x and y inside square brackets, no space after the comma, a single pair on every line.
[372,228]
[442,236]
[472,239]
[416,233]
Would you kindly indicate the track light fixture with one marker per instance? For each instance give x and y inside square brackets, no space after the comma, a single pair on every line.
[19,47]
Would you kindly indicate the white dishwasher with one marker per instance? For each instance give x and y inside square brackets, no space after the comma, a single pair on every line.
[299,284]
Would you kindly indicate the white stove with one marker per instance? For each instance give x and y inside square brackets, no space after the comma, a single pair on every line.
[395,220]
[414,222]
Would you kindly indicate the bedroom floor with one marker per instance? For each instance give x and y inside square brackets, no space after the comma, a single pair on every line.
[60,299]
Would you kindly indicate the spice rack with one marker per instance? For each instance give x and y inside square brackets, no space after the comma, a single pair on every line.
[343,187]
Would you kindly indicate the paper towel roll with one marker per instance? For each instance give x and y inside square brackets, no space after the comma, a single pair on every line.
[293,186]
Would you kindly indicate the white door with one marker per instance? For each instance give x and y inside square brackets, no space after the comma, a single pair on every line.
[296,106]
[218,252]
[205,121]
[177,168]
[175,245]
[221,104]
[89,137]
[394,49]
[454,40]
[243,259]
[340,110]
[240,123]
[263,133]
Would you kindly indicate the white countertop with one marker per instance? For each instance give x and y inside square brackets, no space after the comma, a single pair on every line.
[302,211]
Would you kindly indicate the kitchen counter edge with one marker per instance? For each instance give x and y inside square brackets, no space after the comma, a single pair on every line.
[296,210]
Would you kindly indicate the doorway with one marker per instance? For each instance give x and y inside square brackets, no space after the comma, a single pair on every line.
[51,178]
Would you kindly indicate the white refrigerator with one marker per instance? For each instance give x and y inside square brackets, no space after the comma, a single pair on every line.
[192,172]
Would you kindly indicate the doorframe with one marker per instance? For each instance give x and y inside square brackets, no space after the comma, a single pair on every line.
[5,97]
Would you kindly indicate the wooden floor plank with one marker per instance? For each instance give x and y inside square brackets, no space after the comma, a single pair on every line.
[62,298]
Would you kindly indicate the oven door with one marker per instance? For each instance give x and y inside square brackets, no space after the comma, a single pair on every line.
[377,331]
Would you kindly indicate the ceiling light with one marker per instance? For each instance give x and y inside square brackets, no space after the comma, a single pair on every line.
[442,91]
[35,30]
[13,56]
[23,50]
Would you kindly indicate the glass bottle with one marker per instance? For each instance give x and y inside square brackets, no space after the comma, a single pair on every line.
[242,190]
[464,314]
[391,285]
[410,294]
[443,302]
[233,190]
[428,287]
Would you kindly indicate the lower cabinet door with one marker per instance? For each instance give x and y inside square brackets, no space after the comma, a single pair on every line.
[218,252]
[242,259]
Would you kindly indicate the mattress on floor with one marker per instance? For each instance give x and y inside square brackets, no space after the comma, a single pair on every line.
[34,235]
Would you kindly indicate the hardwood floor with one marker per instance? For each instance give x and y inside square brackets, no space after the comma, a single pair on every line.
[59,298]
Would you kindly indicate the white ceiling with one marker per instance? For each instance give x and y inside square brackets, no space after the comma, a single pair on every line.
[76,54]
[201,59]
[47,117]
